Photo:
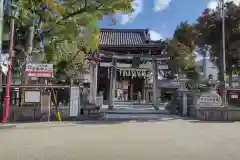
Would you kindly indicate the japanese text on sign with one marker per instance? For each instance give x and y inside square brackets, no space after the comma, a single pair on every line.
[39,67]
[39,70]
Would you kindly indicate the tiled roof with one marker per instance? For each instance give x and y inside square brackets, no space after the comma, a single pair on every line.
[124,37]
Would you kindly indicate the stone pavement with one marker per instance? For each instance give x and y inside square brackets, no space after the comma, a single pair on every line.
[127,109]
[139,117]
[165,138]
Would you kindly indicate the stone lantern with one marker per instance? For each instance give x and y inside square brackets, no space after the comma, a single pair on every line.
[182,94]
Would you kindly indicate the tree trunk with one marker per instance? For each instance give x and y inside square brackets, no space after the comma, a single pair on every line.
[230,79]
[222,78]
[29,47]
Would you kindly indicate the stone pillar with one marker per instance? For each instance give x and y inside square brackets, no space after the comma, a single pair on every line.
[182,92]
[93,86]
[95,83]
[131,89]
[154,86]
[112,83]
[144,93]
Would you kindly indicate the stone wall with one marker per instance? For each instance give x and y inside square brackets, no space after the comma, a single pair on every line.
[216,114]
[34,113]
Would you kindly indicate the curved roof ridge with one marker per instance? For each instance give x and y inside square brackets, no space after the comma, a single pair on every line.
[122,30]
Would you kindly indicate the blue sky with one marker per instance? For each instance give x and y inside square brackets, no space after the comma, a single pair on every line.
[161,16]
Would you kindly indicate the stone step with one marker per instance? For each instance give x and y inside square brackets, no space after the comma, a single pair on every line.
[137,105]
[129,110]
[130,103]
[133,106]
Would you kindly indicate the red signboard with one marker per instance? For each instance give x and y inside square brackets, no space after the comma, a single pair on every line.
[38,74]
[39,70]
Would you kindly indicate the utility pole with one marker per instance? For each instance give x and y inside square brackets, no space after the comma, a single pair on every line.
[1,35]
[6,107]
[223,58]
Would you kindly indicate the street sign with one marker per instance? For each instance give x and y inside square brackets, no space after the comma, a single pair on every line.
[39,70]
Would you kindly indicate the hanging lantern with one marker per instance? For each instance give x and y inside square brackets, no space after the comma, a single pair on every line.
[134,73]
[108,73]
[128,73]
[124,73]
[139,73]
[143,73]
[120,72]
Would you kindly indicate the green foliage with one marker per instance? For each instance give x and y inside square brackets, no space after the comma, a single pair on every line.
[182,50]
[209,35]
[67,58]
[68,28]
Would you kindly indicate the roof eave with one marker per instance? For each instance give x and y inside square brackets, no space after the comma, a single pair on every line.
[146,46]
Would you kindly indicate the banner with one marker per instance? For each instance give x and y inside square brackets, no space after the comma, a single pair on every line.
[39,70]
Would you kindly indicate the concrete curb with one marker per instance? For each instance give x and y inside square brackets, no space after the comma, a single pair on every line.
[40,125]
[7,126]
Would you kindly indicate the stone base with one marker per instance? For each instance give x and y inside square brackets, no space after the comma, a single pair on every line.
[33,114]
[216,114]
[91,112]
[99,116]
[110,107]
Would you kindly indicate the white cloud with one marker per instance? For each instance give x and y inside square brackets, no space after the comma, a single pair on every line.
[138,7]
[155,35]
[160,5]
[214,3]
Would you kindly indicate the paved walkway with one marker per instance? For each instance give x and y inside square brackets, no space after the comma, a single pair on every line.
[141,109]
[168,139]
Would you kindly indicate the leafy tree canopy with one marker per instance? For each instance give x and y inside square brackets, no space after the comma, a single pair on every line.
[209,35]
[65,27]
[182,49]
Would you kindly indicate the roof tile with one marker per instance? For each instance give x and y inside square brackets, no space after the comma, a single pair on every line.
[129,37]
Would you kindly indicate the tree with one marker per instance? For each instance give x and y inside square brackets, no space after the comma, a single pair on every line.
[209,36]
[63,23]
[182,49]
[68,59]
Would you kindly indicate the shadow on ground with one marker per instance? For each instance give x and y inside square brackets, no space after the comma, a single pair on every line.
[107,120]
[123,118]
[202,121]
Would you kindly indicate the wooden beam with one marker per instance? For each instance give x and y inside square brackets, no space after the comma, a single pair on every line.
[131,56]
[159,47]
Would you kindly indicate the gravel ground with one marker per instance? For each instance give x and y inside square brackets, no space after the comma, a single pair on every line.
[170,139]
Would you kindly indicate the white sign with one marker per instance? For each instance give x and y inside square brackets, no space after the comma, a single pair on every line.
[4,62]
[39,70]
[32,96]
[209,99]
[74,101]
